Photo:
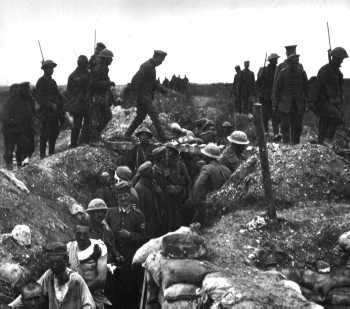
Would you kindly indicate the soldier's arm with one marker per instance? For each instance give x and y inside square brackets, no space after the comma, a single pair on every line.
[41,92]
[100,280]
[199,187]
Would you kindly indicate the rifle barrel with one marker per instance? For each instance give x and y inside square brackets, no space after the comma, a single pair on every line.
[41,51]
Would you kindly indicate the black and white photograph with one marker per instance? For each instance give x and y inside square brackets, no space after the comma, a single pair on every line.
[174,154]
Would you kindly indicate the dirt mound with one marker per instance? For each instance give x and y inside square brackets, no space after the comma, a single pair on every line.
[302,172]
[31,196]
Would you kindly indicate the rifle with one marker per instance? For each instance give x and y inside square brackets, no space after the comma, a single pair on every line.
[41,51]
[329,43]
[94,41]
[265,60]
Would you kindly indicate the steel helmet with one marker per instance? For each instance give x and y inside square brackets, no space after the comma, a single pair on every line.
[96,204]
[123,173]
[238,137]
[212,151]
[273,56]
[48,63]
[105,53]
[227,124]
[145,168]
[339,52]
[144,130]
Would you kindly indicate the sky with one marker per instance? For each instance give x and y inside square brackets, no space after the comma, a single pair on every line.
[204,39]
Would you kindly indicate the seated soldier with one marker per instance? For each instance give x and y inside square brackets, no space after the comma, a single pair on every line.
[232,155]
[64,288]
[88,257]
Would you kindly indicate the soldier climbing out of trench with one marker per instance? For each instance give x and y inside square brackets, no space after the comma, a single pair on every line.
[144,84]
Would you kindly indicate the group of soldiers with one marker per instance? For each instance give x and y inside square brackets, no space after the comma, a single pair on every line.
[150,193]
[177,83]
[286,93]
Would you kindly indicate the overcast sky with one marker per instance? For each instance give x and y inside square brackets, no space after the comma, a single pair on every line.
[204,39]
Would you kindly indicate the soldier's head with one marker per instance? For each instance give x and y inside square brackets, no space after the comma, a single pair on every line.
[246,64]
[293,60]
[238,140]
[338,55]
[48,66]
[99,47]
[97,210]
[82,62]
[290,50]
[144,135]
[82,234]
[57,257]
[238,68]
[105,56]
[106,178]
[158,57]
[273,59]
[32,295]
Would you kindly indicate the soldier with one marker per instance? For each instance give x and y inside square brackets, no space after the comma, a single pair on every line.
[142,152]
[290,50]
[247,89]
[97,209]
[211,177]
[51,108]
[291,92]
[176,186]
[236,90]
[78,92]
[166,82]
[107,191]
[148,202]
[232,155]
[88,257]
[101,95]
[226,129]
[145,84]
[94,58]
[264,85]
[128,226]
[17,120]
[328,99]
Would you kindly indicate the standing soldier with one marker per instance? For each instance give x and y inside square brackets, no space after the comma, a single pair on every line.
[94,58]
[17,120]
[78,92]
[51,108]
[264,85]
[291,92]
[328,98]
[236,90]
[101,95]
[247,89]
[145,84]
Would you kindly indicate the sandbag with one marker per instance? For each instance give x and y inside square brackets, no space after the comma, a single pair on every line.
[184,271]
[181,291]
[179,246]
[216,285]
[154,245]
[153,265]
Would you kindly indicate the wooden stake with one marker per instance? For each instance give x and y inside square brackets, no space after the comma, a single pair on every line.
[264,160]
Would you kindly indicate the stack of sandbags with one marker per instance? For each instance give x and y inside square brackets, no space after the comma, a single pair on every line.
[175,271]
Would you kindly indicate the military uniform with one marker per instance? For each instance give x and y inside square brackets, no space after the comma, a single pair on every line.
[50,113]
[127,217]
[78,92]
[145,84]
[230,159]
[247,90]
[236,93]
[329,101]
[138,155]
[101,101]
[264,84]
[17,124]
[291,91]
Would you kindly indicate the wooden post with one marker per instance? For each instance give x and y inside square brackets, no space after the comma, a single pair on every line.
[264,160]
